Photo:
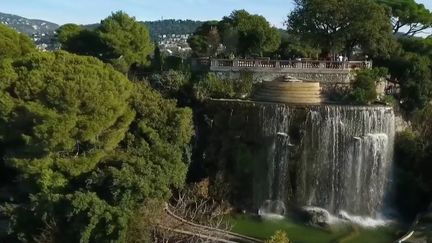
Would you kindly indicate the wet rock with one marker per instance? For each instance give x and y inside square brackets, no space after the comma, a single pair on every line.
[318,217]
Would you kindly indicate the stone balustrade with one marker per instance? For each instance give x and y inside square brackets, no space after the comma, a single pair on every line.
[256,64]
[328,72]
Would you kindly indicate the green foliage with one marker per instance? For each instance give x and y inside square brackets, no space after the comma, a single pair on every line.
[157,61]
[292,47]
[244,86]
[143,221]
[199,46]
[161,62]
[413,158]
[416,88]
[212,86]
[127,40]
[410,68]
[337,26]
[279,237]
[174,63]
[255,35]
[364,86]
[14,44]
[389,100]
[240,33]
[206,39]
[75,39]
[408,17]
[419,45]
[170,83]
[119,40]
[89,147]
[422,123]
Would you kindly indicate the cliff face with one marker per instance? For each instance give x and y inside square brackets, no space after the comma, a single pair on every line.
[334,157]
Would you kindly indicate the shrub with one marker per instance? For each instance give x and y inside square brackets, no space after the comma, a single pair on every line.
[389,100]
[279,237]
[214,87]
[170,83]
[364,87]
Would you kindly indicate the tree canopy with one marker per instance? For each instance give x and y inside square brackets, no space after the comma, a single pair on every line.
[206,39]
[337,26]
[14,44]
[255,34]
[410,68]
[293,47]
[87,145]
[76,39]
[241,33]
[119,40]
[127,40]
[413,158]
[408,17]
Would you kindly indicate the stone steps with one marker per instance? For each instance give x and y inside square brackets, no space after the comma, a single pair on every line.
[289,92]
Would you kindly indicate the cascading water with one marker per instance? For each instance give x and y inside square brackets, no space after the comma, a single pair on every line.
[333,157]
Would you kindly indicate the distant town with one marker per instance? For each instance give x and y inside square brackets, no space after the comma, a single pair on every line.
[170,35]
[173,44]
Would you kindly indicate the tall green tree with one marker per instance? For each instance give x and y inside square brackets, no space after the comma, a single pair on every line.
[408,16]
[128,42]
[75,39]
[255,34]
[206,39]
[415,79]
[410,68]
[88,147]
[119,40]
[241,33]
[338,26]
[14,44]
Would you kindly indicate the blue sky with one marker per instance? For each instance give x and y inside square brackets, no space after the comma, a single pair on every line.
[92,11]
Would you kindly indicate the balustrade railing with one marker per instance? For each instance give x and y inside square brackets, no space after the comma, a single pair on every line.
[283,64]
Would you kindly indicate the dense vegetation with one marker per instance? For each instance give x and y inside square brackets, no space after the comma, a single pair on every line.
[241,34]
[13,44]
[414,162]
[408,17]
[363,90]
[89,154]
[84,149]
[118,40]
[410,67]
[341,26]
[212,86]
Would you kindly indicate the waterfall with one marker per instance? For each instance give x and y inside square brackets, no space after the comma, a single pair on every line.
[333,157]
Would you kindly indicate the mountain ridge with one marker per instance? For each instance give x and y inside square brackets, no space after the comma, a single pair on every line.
[157,28]
[28,26]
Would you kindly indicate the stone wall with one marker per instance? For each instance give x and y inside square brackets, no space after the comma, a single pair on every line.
[323,76]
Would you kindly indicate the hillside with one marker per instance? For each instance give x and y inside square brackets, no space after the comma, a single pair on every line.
[171,26]
[28,26]
[166,27]
[42,32]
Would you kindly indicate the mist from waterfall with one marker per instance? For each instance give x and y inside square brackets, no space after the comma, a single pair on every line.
[335,157]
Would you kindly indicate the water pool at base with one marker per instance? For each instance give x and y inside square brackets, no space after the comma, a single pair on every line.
[299,232]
